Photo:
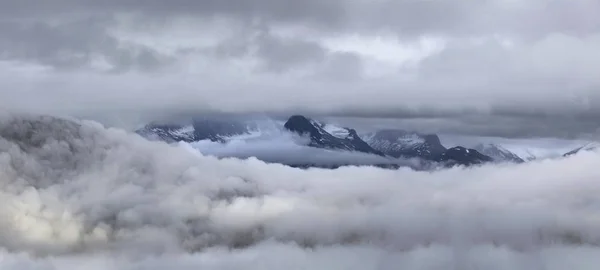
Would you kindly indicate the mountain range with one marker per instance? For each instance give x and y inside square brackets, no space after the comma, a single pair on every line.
[389,143]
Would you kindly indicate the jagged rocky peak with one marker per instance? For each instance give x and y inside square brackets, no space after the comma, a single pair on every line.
[324,135]
[498,153]
[197,129]
[302,125]
[463,156]
[401,143]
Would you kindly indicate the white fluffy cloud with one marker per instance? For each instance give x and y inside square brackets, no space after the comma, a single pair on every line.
[83,196]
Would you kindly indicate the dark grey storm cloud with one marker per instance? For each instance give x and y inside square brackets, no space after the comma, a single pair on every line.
[414,17]
[73,44]
[322,12]
[283,53]
[278,54]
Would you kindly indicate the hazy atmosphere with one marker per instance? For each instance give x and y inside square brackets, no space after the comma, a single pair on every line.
[326,134]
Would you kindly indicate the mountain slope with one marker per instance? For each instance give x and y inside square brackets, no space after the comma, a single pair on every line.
[320,137]
[403,144]
[498,153]
[400,143]
[463,156]
[216,130]
[588,147]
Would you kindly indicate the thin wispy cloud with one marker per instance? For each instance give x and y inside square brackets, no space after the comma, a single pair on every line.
[278,146]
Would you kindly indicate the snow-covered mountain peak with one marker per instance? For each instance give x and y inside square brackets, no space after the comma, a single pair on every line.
[463,156]
[498,153]
[328,136]
[338,132]
[400,143]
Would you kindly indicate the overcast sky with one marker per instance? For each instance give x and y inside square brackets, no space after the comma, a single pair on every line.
[534,64]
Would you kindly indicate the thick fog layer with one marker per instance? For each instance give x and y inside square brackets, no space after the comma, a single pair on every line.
[79,196]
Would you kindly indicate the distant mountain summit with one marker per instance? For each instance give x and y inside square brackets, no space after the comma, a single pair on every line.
[593,146]
[320,136]
[463,156]
[498,153]
[404,144]
[399,143]
[216,130]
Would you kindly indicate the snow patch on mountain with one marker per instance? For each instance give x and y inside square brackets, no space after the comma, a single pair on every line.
[592,146]
[185,131]
[400,143]
[411,139]
[528,149]
[336,131]
[320,138]
[498,153]
[462,156]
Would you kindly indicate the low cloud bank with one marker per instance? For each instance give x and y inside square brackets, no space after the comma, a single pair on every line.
[75,195]
[279,146]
